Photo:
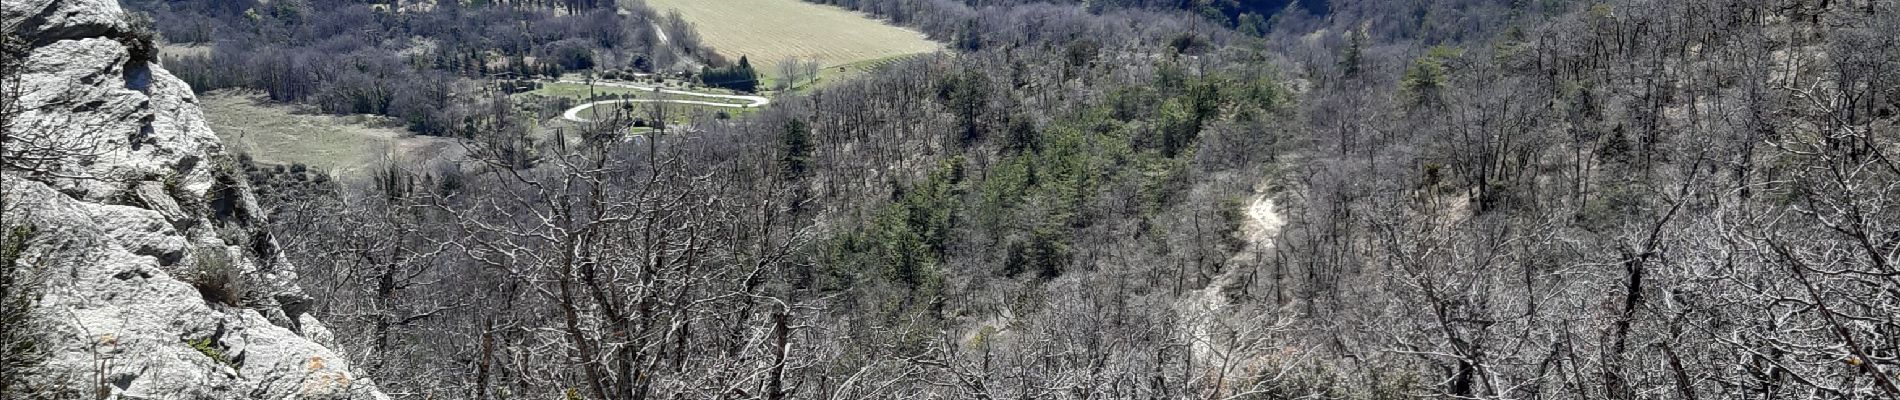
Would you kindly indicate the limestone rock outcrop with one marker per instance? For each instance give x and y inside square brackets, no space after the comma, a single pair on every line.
[158,278]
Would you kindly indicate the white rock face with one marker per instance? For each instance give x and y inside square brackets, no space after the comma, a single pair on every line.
[135,220]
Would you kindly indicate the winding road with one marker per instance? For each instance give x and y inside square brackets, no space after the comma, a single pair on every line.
[573,114]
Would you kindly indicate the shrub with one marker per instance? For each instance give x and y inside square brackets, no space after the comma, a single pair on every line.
[1189,44]
[210,349]
[572,55]
[216,277]
[741,77]
[20,348]
[1044,252]
[129,196]
[1233,217]
[140,37]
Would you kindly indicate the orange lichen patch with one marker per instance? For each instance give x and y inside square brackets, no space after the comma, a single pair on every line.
[315,363]
[326,384]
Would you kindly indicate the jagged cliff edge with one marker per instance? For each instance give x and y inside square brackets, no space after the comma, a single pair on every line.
[159,279]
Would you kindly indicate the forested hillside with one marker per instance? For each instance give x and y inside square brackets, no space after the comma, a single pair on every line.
[1483,200]
[1626,199]
[1611,200]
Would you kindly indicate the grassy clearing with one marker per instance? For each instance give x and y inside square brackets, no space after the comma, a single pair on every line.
[170,51]
[769,31]
[676,113]
[342,146]
[580,92]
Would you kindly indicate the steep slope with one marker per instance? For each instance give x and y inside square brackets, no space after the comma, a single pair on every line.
[158,279]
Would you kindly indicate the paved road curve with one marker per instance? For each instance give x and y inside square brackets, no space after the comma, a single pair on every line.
[573,114]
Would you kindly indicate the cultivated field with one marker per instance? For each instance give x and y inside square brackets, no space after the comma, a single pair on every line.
[342,146]
[768,31]
[840,72]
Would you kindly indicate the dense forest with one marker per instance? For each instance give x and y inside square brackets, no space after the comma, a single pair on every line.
[1483,200]
[1625,199]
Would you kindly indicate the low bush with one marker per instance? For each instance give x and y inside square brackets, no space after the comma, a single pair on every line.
[140,37]
[210,349]
[20,347]
[216,277]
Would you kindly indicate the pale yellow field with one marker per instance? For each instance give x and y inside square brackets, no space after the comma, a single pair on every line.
[345,147]
[769,31]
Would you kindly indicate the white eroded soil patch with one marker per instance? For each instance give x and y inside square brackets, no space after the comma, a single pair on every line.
[1205,308]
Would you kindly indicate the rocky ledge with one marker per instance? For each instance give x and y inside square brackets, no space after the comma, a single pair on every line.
[158,279]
